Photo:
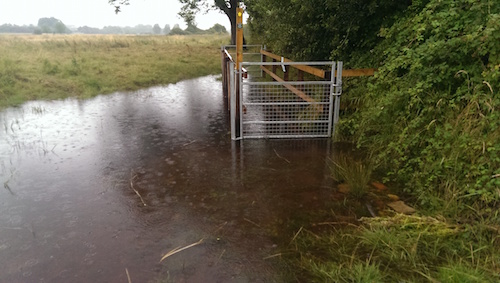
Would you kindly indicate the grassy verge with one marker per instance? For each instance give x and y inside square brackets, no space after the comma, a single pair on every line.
[400,248]
[59,66]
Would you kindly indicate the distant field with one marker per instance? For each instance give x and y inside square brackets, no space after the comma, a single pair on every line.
[59,66]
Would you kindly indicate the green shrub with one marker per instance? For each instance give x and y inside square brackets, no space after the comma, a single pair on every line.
[431,112]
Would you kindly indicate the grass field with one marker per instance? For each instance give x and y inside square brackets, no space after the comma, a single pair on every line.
[59,66]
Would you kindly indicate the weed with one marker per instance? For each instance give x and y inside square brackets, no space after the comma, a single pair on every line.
[37,109]
[401,249]
[355,173]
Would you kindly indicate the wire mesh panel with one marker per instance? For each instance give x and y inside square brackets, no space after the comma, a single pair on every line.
[286,109]
[274,111]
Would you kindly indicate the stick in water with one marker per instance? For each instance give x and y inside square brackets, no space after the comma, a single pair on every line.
[128,276]
[179,249]
[136,192]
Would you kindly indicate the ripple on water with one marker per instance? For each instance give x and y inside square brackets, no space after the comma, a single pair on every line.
[31,262]
[98,142]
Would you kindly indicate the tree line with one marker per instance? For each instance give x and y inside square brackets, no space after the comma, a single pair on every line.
[56,26]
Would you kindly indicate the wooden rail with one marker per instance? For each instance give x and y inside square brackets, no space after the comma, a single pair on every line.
[308,69]
[293,89]
[318,72]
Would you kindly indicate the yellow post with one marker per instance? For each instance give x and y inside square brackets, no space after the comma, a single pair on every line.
[239,37]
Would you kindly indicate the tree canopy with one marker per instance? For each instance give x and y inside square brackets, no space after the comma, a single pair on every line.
[317,30]
[228,7]
[52,25]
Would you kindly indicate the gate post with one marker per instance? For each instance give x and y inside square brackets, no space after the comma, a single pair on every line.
[232,83]
[332,100]
[224,73]
[338,91]
[239,37]
[337,77]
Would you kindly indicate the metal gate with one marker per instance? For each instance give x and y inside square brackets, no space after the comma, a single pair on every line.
[307,107]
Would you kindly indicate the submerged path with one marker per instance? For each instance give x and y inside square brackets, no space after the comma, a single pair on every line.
[97,188]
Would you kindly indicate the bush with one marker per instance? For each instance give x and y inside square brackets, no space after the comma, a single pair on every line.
[431,112]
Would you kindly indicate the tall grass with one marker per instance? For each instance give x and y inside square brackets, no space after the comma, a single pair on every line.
[59,66]
[355,173]
[401,249]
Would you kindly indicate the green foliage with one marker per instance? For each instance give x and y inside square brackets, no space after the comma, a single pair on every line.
[49,68]
[430,119]
[337,272]
[401,249]
[431,113]
[177,31]
[52,25]
[460,273]
[355,173]
[157,29]
[217,28]
[59,66]
[166,29]
[318,30]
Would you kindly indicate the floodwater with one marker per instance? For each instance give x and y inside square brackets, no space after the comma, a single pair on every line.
[92,190]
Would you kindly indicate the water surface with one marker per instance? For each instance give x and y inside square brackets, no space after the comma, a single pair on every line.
[69,212]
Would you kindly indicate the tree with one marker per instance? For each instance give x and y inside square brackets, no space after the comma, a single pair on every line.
[166,29]
[49,25]
[60,28]
[191,7]
[156,29]
[228,7]
[317,30]
[217,28]
[176,30]
[88,30]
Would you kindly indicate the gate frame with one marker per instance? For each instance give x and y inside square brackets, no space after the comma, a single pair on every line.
[236,95]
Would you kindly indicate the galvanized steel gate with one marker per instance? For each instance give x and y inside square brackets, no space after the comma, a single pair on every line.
[283,109]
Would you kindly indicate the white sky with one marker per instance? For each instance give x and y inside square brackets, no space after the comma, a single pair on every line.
[98,13]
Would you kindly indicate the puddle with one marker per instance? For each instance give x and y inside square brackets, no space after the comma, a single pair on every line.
[69,212]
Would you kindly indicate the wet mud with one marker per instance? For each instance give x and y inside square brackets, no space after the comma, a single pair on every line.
[95,189]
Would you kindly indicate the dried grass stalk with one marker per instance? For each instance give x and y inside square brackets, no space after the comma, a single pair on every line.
[179,249]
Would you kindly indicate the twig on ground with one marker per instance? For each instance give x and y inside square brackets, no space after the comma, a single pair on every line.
[336,223]
[191,142]
[250,221]
[296,234]
[136,192]
[271,256]
[218,259]
[179,249]
[128,276]
[281,156]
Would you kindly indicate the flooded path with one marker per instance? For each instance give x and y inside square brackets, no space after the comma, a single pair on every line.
[68,171]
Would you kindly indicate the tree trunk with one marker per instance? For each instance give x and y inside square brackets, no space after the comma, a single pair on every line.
[231,14]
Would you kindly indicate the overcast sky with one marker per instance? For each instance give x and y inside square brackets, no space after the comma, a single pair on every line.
[98,13]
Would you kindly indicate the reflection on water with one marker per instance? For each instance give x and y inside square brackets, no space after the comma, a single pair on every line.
[68,212]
